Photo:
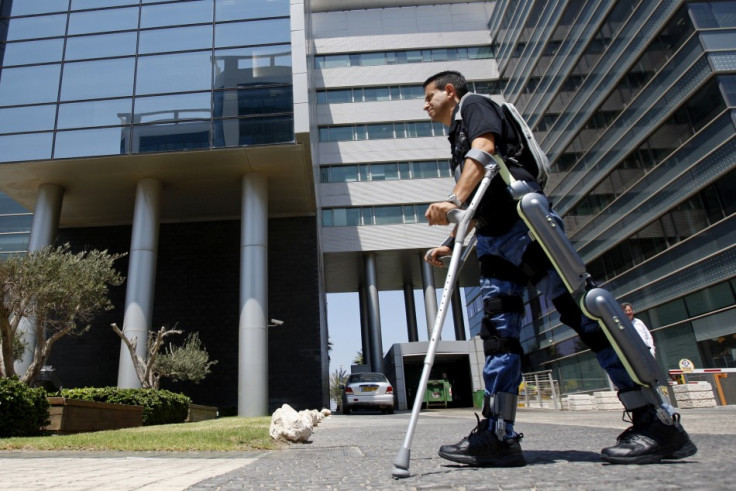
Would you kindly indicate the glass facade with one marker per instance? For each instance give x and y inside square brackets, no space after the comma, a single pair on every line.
[127,77]
[641,135]
[385,171]
[374,215]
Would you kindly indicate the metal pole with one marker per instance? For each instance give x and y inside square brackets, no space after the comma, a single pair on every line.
[253,323]
[411,313]
[44,228]
[374,313]
[141,278]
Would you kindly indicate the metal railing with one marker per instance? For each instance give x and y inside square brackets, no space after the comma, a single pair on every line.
[539,389]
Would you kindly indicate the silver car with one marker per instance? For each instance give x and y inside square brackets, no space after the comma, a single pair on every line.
[369,390]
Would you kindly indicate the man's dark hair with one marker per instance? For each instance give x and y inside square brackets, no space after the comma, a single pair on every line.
[449,77]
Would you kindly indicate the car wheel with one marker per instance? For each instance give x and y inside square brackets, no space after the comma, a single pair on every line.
[390,410]
[345,410]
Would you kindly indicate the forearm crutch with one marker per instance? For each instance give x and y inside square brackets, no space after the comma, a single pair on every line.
[459,253]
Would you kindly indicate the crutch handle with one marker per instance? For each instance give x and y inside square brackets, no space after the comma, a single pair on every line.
[445,260]
[455,215]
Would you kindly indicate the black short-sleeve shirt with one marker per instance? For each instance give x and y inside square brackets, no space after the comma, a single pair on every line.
[480,115]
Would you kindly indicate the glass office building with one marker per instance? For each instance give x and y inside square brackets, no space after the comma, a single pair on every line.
[634,103]
[176,124]
[79,80]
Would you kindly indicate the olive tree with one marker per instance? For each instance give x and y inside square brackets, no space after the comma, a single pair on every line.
[188,362]
[59,291]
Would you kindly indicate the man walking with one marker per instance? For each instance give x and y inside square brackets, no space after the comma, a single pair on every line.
[509,260]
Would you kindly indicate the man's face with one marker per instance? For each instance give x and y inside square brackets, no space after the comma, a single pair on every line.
[438,103]
[629,312]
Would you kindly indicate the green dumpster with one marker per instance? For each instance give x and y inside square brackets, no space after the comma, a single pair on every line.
[438,393]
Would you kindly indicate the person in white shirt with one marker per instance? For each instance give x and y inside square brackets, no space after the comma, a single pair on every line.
[641,328]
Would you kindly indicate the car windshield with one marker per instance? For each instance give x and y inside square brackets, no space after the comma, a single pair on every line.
[367,377]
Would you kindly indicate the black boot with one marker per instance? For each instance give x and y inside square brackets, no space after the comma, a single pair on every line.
[483,449]
[649,440]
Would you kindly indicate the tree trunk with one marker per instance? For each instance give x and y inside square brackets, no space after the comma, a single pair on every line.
[6,331]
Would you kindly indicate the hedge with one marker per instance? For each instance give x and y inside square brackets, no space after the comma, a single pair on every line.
[23,410]
[159,406]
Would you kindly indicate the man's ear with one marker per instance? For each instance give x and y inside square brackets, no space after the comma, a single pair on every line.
[450,89]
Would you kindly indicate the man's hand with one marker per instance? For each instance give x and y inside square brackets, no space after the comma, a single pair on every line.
[433,255]
[436,214]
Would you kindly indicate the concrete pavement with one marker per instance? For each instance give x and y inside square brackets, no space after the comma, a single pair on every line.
[357,452]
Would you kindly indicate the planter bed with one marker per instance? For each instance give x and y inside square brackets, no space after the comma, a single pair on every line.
[197,412]
[76,416]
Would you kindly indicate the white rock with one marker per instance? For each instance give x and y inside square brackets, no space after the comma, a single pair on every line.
[312,415]
[287,424]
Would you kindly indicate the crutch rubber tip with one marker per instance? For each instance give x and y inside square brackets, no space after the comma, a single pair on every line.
[398,473]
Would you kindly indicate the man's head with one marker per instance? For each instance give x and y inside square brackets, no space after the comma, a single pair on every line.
[628,310]
[442,92]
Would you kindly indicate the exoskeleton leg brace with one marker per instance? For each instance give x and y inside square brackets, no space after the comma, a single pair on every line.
[596,303]
[501,407]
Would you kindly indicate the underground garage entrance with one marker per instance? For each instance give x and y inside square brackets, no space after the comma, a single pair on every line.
[452,380]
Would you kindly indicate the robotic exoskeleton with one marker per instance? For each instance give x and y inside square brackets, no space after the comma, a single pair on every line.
[596,303]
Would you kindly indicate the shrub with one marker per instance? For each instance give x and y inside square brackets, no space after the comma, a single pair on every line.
[23,410]
[159,406]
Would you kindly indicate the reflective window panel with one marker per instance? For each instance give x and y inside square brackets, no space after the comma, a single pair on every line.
[97,79]
[30,7]
[15,223]
[90,143]
[174,73]
[253,66]
[46,26]
[121,19]
[29,85]
[32,146]
[95,4]
[29,52]
[176,13]
[173,107]
[100,46]
[253,131]
[29,118]
[189,135]
[250,102]
[95,113]
[176,39]
[9,205]
[250,9]
[13,243]
[252,33]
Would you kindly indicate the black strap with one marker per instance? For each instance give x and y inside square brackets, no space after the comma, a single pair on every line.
[503,303]
[495,345]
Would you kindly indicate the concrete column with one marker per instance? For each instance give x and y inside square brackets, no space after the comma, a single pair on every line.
[374,313]
[411,312]
[457,314]
[141,280]
[44,227]
[253,324]
[430,295]
[365,337]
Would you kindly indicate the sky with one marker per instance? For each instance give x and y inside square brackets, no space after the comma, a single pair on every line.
[343,322]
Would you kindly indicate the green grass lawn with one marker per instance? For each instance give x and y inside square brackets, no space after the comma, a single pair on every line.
[223,434]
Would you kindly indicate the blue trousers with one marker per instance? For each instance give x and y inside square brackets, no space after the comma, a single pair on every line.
[502,372]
